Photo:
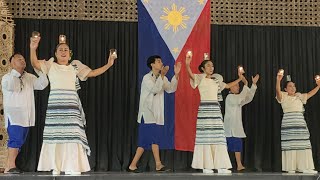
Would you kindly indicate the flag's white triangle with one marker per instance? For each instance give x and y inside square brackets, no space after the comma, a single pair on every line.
[174,20]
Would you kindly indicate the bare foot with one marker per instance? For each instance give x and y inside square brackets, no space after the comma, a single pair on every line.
[241,168]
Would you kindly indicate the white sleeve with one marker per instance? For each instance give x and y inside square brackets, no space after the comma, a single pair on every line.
[197,80]
[41,82]
[284,96]
[249,94]
[10,83]
[303,97]
[170,87]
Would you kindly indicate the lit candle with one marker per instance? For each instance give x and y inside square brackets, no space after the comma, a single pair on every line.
[113,52]
[240,69]
[189,53]
[281,72]
[206,56]
[35,34]
[62,39]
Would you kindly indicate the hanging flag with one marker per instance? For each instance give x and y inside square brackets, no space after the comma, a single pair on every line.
[170,28]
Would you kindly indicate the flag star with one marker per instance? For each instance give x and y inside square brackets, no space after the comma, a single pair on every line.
[175,50]
[201,2]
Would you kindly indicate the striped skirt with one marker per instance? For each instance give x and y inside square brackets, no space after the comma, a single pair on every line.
[65,119]
[209,127]
[294,132]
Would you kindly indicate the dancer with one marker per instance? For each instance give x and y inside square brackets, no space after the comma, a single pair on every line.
[295,143]
[233,117]
[151,109]
[65,146]
[210,150]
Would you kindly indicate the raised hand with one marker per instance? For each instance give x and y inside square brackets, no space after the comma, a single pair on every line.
[240,74]
[111,59]
[318,82]
[34,42]
[279,76]
[177,68]
[188,58]
[255,79]
[164,70]
[244,80]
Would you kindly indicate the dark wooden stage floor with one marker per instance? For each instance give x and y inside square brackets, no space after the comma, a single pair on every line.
[160,176]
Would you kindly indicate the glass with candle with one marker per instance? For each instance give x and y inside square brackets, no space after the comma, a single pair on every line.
[240,69]
[206,56]
[113,53]
[35,34]
[281,72]
[62,38]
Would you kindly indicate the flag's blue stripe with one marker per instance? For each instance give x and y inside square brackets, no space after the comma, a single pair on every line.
[150,43]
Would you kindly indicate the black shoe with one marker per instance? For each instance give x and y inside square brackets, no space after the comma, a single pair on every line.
[13,171]
[163,169]
[134,171]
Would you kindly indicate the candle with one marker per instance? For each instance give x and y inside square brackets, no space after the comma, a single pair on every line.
[62,39]
[189,53]
[35,34]
[206,56]
[113,53]
[240,69]
[281,72]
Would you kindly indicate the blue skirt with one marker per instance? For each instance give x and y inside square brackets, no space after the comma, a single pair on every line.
[149,134]
[234,144]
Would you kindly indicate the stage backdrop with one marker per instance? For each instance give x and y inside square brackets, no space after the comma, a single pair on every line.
[111,100]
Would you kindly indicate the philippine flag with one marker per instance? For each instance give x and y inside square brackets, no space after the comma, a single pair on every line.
[170,28]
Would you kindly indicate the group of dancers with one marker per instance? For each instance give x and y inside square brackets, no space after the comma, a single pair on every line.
[65,147]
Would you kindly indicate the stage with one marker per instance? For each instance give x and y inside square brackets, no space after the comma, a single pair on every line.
[160,176]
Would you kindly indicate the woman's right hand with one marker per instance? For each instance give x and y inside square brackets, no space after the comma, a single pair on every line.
[188,59]
[34,42]
[279,76]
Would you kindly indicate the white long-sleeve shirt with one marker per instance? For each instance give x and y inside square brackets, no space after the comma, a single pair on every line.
[151,106]
[18,96]
[233,111]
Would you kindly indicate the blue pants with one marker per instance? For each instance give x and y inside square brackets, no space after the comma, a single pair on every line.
[234,144]
[17,135]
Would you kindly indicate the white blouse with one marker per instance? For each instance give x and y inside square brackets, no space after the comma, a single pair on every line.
[208,87]
[293,103]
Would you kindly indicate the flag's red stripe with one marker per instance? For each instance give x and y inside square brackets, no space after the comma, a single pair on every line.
[186,99]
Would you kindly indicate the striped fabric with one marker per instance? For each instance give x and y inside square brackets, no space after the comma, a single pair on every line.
[220,98]
[294,132]
[210,128]
[78,87]
[65,119]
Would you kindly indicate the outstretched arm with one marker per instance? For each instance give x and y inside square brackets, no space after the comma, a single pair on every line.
[188,62]
[101,70]
[233,83]
[171,87]
[34,43]
[278,87]
[314,91]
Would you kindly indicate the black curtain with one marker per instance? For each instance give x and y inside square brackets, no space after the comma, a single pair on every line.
[264,50]
[111,100]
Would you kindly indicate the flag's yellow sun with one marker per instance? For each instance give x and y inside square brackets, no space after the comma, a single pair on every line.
[175,18]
